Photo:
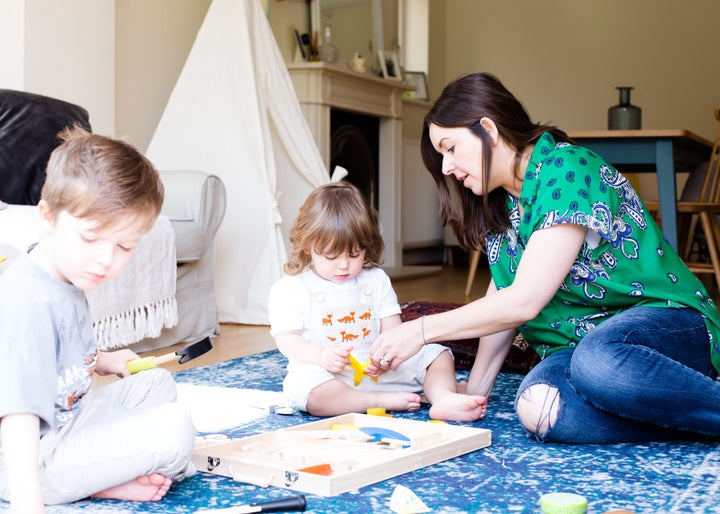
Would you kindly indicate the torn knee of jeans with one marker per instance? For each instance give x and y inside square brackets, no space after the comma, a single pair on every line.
[537,408]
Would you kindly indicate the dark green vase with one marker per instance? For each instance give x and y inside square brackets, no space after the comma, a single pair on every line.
[624,116]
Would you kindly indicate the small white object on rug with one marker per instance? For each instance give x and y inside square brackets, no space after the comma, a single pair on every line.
[214,409]
[404,501]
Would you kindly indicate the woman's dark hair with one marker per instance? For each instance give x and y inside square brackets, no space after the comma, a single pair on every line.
[463,103]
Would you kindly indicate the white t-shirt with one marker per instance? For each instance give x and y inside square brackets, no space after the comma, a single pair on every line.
[329,313]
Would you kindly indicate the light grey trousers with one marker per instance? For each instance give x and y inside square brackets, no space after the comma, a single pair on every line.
[125,429]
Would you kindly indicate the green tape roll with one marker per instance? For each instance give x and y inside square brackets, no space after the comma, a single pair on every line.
[563,503]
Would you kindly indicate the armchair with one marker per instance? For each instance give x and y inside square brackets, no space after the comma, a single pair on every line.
[195,204]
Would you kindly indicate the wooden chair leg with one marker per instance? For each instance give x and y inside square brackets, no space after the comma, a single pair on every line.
[474,261]
[690,240]
[689,225]
[712,230]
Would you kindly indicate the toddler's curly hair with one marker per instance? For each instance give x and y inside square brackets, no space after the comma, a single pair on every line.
[335,218]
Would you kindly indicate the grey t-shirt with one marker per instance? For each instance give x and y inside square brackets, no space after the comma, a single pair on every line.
[47,349]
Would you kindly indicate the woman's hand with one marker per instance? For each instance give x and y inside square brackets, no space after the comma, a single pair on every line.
[396,345]
[115,363]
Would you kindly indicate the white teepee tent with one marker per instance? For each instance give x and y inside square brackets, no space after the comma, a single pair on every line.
[234,113]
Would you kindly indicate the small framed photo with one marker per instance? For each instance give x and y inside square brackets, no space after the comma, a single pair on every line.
[418,80]
[390,65]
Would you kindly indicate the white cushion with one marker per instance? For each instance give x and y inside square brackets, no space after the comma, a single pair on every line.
[20,226]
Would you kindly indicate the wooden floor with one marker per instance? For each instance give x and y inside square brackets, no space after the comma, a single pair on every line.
[441,284]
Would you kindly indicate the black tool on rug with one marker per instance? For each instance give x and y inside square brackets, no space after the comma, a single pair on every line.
[185,354]
[292,504]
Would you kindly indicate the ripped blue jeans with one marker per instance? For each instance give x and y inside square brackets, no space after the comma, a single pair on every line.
[644,375]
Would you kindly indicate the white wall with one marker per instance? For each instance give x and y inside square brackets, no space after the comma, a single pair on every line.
[62,49]
[284,17]
[153,41]
[420,204]
[12,36]
[414,16]
[564,58]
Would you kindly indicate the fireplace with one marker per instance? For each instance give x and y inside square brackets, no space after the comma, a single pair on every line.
[325,90]
[354,145]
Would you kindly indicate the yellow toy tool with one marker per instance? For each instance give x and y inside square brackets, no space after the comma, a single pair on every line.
[185,354]
[360,369]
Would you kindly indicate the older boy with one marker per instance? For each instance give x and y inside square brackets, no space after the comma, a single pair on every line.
[127,440]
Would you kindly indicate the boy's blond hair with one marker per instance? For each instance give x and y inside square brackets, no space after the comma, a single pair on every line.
[335,218]
[96,177]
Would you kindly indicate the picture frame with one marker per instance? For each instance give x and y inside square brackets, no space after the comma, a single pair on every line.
[418,80]
[390,65]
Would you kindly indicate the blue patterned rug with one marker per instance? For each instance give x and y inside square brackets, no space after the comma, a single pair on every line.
[508,476]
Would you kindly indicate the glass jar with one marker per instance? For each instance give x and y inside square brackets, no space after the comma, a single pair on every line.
[327,51]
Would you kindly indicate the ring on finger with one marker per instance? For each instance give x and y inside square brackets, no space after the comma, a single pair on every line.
[384,358]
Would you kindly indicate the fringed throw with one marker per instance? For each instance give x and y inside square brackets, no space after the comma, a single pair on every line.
[140,301]
[128,327]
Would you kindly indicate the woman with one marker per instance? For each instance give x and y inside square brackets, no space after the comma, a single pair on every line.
[627,334]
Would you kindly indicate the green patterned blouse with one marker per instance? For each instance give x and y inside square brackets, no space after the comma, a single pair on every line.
[625,260]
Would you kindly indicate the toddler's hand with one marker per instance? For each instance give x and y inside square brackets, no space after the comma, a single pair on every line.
[372,370]
[335,358]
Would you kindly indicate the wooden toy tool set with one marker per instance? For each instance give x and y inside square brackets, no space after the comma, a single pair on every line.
[338,454]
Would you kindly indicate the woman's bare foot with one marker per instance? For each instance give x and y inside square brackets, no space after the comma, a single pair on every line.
[459,407]
[146,488]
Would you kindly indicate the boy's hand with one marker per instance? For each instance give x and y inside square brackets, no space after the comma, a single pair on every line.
[115,363]
[335,358]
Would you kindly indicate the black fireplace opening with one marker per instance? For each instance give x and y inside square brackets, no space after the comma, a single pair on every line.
[355,145]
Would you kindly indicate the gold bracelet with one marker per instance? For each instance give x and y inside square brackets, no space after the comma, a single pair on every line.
[422,328]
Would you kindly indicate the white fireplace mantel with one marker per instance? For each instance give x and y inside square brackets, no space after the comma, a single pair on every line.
[321,87]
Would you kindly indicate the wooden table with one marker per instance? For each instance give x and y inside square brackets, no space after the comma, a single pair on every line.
[662,151]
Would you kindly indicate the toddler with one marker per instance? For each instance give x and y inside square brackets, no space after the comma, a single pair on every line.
[332,304]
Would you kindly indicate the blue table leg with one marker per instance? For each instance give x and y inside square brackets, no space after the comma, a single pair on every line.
[666,189]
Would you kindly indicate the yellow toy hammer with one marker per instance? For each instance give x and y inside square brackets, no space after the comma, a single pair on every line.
[185,354]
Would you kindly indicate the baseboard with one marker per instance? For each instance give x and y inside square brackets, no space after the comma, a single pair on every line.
[429,252]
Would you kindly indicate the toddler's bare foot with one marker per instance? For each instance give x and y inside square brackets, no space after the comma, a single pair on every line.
[145,488]
[398,401]
[459,407]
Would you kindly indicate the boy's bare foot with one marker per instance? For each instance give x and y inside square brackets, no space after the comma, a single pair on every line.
[459,407]
[145,488]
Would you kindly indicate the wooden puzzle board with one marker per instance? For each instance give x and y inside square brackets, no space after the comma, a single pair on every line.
[352,461]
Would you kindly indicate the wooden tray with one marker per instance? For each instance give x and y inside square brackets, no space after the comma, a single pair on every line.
[278,458]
